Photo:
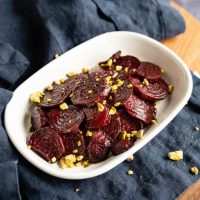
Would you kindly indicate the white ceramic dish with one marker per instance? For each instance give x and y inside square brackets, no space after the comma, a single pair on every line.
[17,113]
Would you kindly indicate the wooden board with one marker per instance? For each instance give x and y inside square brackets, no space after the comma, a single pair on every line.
[187,45]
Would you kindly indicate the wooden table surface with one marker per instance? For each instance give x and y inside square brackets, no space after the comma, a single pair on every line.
[187,44]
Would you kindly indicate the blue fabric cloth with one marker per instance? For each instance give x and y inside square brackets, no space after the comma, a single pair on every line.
[31,32]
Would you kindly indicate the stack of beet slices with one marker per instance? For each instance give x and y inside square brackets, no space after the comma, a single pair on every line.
[98,113]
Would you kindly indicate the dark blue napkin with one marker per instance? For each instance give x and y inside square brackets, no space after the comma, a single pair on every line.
[31,33]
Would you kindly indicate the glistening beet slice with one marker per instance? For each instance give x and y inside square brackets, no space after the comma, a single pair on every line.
[38,118]
[139,108]
[56,96]
[149,71]
[95,119]
[154,91]
[73,81]
[121,146]
[47,143]
[73,141]
[113,128]
[90,92]
[66,120]
[129,123]
[128,61]
[98,147]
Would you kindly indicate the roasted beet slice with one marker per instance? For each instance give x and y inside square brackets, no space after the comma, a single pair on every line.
[113,57]
[56,96]
[74,143]
[129,123]
[90,92]
[95,119]
[66,120]
[121,146]
[98,147]
[47,143]
[149,71]
[114,127]
[100,72]
[128,61]
[73,81]
[154,91]
[38,118]
[139,108]
[122,93]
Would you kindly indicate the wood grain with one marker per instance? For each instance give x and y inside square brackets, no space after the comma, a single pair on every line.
[187,45]
[192,193]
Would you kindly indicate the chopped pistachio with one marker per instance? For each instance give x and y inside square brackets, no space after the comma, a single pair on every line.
[53,160]
[194,170]
[56,55]
[139,134]
[35,97]
[112,111]
[145,82]
[69,160]
[175,155]
[196,128]
[72,74]
[117,104]
[114,87]
[97,79]
[79,143]
[79,158]
[130,158]
[78,164]
[118,68]
[63,106]
[128,135]
[29,147]
[104,102]
[109,63]
[85,70]
[115,74]
[62,80]
[170,88]
[85,163]
[100,107]
[71,95]
[130,172]
[126,69]
[110,97]
[154,121]
[133,133]
[119,82]
[89,133]
[108,78]
[75,151]
[49,88]
[124,135]
[90,91]
[129,86]
[49,100]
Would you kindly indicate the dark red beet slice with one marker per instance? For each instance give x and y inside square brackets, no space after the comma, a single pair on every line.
[47,143]
[98,147]
[121,146]
[113,57]
[114,127]
[129,123]
[73,81]
[73,141]
[56,96]
[38,118]
[100,72]
[66,120]
[95,119]
[149,71]
[128,61]
[154,91]
[139,108]
[122,93]
[82,96]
